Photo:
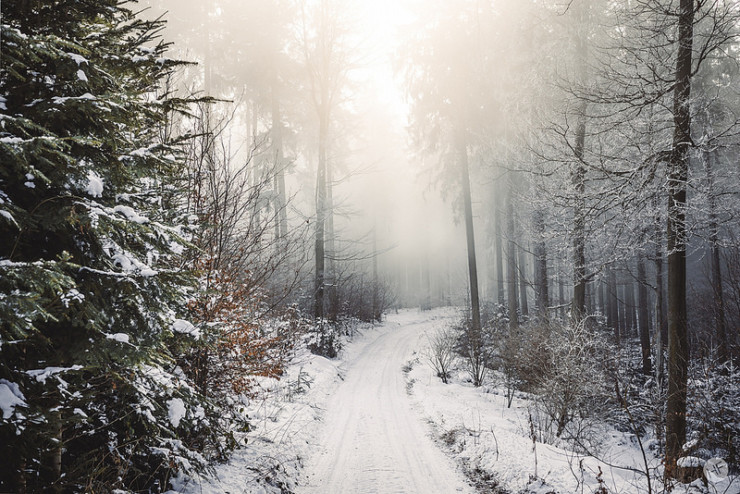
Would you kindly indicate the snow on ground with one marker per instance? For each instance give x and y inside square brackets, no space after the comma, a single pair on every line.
[344,425]
[494,443]
[365,423]
[372,439]
[284,419]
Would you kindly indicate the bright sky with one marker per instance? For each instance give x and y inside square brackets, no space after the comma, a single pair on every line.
[382,21]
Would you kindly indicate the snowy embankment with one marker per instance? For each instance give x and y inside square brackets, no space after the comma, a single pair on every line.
[373,440]
[493,443]
[343,425]
[363,422]
[285,416]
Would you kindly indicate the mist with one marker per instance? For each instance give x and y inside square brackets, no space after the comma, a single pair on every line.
[400,87]
[241,234]
[382,182]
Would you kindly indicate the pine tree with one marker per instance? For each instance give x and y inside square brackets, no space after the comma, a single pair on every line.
[90,280]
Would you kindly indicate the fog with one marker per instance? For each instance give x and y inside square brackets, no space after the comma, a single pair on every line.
[214,212]
[540,106]
[380,181]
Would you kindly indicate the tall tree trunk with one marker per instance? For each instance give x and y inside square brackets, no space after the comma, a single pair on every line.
[613,312]
[377,309]
[661,324]
[578,309]
[281,212]
[720,323]
[678,167]
[578,176]
[470,234]
[499,246]
[643,316]
[490,291]
[331,277]
[629,306]
[621,308]
[511,272]
[426,282]
[257,176]
[561,292]
[719,301]
[522,268]
[540,253]
[320,218]
[590,298]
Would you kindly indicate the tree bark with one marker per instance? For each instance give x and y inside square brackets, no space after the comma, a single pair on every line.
[678,342]
[277,145]
[522,268]
[578,177]
[320,219]
[661,327]
[643,316]
[720,321]
[621,307]
[578,309]
[377,309]
[629,306]
[613,312]
[540,253]
[499,248]
[561,293]
[511,271]
[470,235]
[331,277]
[426,282]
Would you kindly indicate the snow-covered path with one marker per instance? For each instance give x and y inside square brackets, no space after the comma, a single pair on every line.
[373,440]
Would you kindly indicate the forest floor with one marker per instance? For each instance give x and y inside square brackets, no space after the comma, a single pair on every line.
[373,438]
[378,420]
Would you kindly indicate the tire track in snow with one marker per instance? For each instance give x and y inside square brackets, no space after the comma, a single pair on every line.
[373,440]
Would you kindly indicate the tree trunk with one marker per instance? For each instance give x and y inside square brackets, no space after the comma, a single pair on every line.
[578,176]
[523,283]
[331,277]
[561,293]
[719,300]
[720,321]
[511,272]
[578,309]
[643,317]
[661,327]
[320,218]
[499,248]
[426,282]
[629,306]
[590,298]
[621,307]
[678,166]
[540,253]
[377,309]
[470,236]
[281,212]
[256,177]
[613,312]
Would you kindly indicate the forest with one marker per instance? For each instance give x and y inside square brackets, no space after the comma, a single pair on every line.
[200,198]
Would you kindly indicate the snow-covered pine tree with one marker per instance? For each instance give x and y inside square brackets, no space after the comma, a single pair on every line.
[90,280]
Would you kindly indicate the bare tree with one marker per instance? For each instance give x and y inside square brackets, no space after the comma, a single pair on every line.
[323,39]
[678,170]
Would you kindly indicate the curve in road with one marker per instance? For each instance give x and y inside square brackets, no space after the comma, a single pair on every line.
[373,440]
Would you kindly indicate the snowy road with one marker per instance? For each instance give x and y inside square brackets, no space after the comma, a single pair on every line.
[373,440]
